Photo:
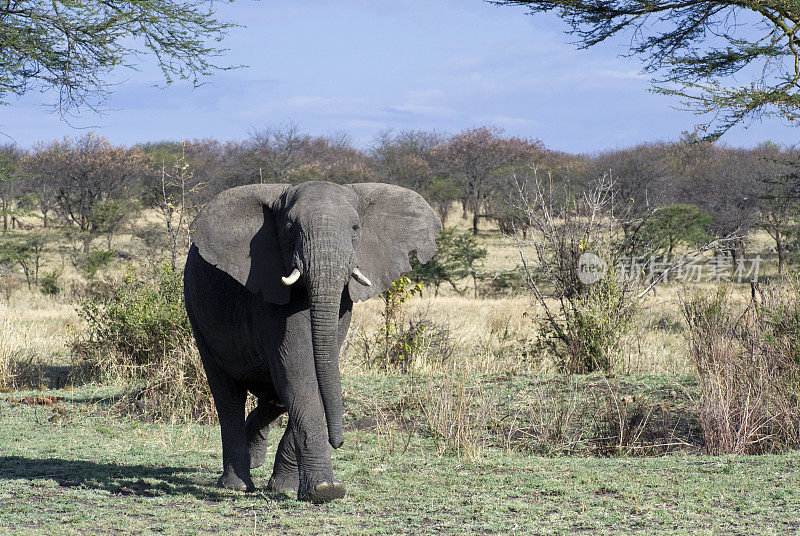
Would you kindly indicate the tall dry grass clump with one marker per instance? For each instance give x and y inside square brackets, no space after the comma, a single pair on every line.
[12,339]
[139,337]
[748,362]
[457,415]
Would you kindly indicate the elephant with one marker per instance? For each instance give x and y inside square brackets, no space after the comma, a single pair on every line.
[269,285]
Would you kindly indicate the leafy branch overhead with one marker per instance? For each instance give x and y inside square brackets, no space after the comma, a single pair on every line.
[694,48]
[72,46]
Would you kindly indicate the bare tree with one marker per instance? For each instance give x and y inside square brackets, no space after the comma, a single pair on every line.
[84,173]
[333,158]
[473,159]
[274,152]
[780,203]
[175,206]
[406,158]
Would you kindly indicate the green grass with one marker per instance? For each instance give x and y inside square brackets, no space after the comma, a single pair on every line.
[92,472]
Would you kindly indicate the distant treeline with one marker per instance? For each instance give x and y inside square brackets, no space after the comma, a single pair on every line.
[89,184]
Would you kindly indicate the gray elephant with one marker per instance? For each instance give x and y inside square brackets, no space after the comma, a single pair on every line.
[269,285]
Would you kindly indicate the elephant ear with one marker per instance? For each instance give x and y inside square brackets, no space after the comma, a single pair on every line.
[395,222]
[236,232]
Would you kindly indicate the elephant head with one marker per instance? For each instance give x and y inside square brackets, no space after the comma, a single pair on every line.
[325,236]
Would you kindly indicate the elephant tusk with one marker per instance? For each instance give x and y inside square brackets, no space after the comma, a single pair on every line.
[361,278]
[292,278]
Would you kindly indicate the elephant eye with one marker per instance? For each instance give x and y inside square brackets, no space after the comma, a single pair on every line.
[356,227]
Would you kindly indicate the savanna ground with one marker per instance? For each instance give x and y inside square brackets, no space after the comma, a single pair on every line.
[490,441]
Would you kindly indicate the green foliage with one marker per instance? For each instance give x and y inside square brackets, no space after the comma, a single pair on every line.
[697,48]
[14,249]
[587,333]
[107,217]
[674,225]
[456,257]
[441,192]
[24,250]
[397,348]
[48,283]
[502,283]
[142,317]
[96,261]
[73,47]
[402,342]
[138,336]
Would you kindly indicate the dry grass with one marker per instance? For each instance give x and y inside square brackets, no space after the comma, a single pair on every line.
[747,362]
[34,332]
[48,321]
[175,390]
[457,412]
[12,341]
[488,335]
[499,335]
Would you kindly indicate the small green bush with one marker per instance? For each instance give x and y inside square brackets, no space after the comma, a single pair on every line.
[404,343]
[457,257]
[588,333]
[502,283]
[48,283]
[142,317]
[96,261]
[139,336]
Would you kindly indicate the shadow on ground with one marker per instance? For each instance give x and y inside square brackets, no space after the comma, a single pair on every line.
[139,480]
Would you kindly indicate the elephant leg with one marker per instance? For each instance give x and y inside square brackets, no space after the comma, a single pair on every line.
[285,476]
[229,398]
[295,378]
[257,428]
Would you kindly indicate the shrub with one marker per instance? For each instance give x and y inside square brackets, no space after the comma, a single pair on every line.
[595,326]
[674,225]
[139,336]
[585,319]
[748,366]
[404,343]
[141,318]
[48,283]
[496,284]
[96,261]
[455,259]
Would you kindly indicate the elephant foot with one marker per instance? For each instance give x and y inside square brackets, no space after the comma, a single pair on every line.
[323,492]
[283,484]
[229,480]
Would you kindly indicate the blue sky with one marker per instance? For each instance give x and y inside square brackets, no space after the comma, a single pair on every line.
[364,66]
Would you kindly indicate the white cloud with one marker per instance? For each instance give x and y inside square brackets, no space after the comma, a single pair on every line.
[429,111]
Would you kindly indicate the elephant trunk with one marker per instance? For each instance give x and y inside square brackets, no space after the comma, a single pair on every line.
[325,293]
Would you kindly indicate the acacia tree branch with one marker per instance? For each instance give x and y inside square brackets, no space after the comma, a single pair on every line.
[72,47]
[672,38]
